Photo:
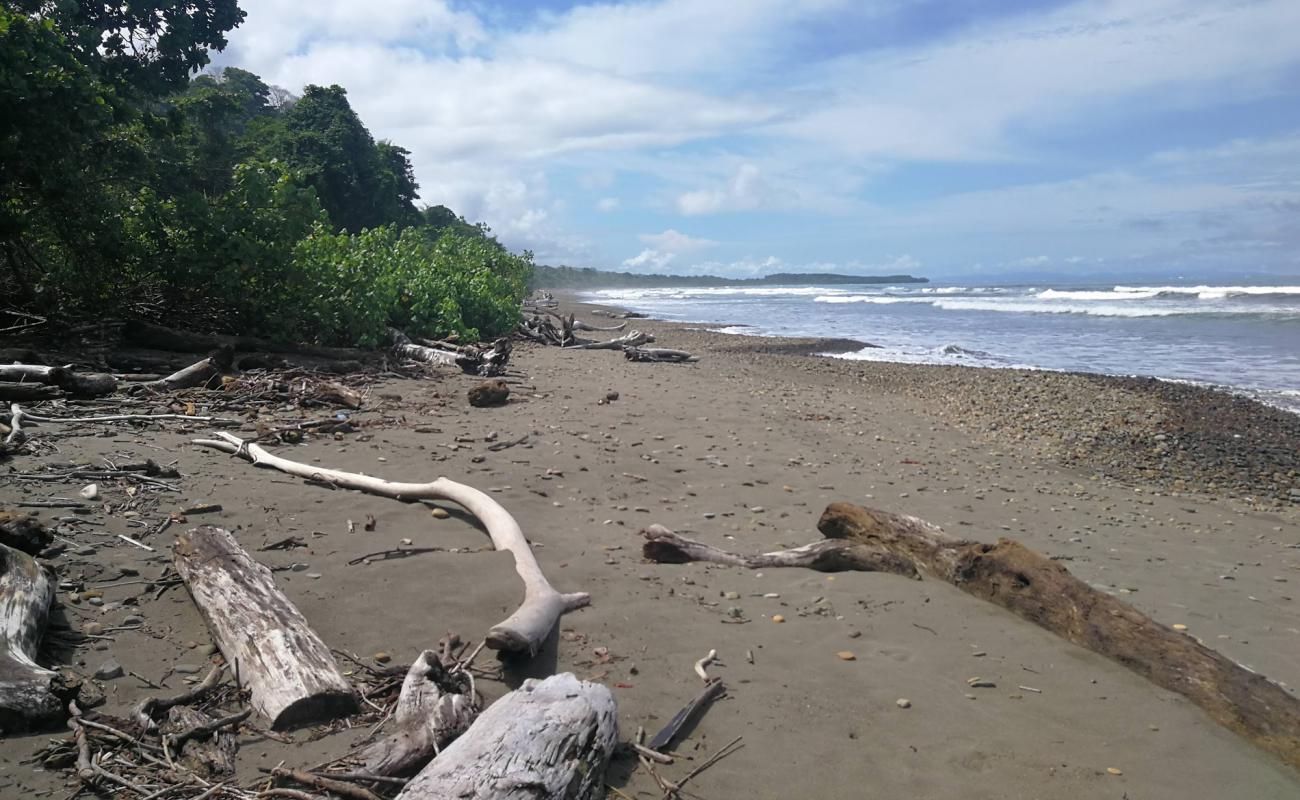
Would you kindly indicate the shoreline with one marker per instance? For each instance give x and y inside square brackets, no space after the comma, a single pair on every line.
[1203,439]
[741,450]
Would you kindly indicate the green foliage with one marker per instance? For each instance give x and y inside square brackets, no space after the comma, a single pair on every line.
[427,286]
[216,202]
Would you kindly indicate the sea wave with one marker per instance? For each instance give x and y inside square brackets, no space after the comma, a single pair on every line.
[1112,309]
[1173,292]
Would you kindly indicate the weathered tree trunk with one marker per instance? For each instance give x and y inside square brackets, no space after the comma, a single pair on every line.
[10,391]
[1044,592]
[631,339]
[77,384]
[666,547]
[432,710]
[548,739]
[403,346]
[210,756]
[263,636]
[527,628]
[27,698]
[658,354]
[198,374]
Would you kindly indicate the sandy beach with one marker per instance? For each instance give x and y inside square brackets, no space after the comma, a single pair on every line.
[1181,501]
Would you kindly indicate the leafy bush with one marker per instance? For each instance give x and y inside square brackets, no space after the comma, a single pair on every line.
[458,282]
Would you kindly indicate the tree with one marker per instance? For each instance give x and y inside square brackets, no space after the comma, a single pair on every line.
[151,46]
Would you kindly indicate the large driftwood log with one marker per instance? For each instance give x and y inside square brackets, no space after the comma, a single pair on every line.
[403,346]
[432,710]
[1044,592]
[523,631]
[658,354]
[77,384]
[198,374]
[548,739]
[27,698]
[666,547]
[12,391]
[630,339]
[292,676]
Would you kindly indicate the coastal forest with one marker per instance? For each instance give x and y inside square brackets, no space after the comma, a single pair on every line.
[134,185]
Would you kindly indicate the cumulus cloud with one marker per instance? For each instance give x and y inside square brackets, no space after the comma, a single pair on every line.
[607,204]
[745,190]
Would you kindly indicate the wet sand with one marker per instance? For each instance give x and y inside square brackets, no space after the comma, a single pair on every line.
[743,450]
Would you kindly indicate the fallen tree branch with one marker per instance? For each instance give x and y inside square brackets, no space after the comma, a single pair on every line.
[631,339]
[658,354]
[27,415]
[432,710]
[666,547]
[198,374]
[77,384]
[1044,592]
[527,628]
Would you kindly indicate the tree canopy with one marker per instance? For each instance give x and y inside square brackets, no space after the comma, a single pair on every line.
[131,185]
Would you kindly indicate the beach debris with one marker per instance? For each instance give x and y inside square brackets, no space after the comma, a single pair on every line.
[712,691]
[658,355]
[523,631]
[556,734]
[27,692]
[847,655]
[711,658]
[903,702]
[22,531]
[289,670]
[489,393]
[1043,592]
[778,618]
[89,492]
[629,339]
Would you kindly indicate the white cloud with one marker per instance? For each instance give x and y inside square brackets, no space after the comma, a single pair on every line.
[607,204]
[649,260]
[745,190]
[674,241]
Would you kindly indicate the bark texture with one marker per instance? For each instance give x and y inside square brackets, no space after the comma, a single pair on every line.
[548,739]
[27,691]
[431,712]
[266,640]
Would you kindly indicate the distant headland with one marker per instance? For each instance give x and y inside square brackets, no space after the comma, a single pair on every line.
[545,277]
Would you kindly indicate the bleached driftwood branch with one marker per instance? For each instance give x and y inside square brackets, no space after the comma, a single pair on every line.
[527,628]
[27,698]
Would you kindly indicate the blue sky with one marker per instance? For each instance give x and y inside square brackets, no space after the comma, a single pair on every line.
[953,138]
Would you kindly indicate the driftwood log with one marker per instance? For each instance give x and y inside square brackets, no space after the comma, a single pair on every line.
[77,384]
[658,354]
[291,673]
[404,347]
[14,391]
[547,739]
[27,691]
[629,339]
[198,374]
[523,631]
[433,709]
[1044,592]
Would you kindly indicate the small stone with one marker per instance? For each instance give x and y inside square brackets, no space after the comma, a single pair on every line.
[208,649]
[440,513]
[90,491]
[1179,627]
[95,601]
[187,669]
[611,396]
[382,657]
[109,670]
[771,595]
[1114,770]
[903,702]
[731,595]
[846,655]
[406,542]
[134,619]
[778,618]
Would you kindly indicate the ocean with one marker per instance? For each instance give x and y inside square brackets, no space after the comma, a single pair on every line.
[1243,338]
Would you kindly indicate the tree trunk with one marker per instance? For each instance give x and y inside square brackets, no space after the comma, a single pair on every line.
[431,712]
[404,347]
[27,698]
[548,739]
[658,354]
[88,384]
[1042,591]
[665,547]
[28,391]
[198,374]
[527,628]
[263,636]
[631,339]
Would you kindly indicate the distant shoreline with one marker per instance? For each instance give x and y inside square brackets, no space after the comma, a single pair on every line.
[572,278]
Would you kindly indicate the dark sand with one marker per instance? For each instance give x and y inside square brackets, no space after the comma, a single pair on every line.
[743,450]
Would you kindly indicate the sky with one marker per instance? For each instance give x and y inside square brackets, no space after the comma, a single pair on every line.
[972,139]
